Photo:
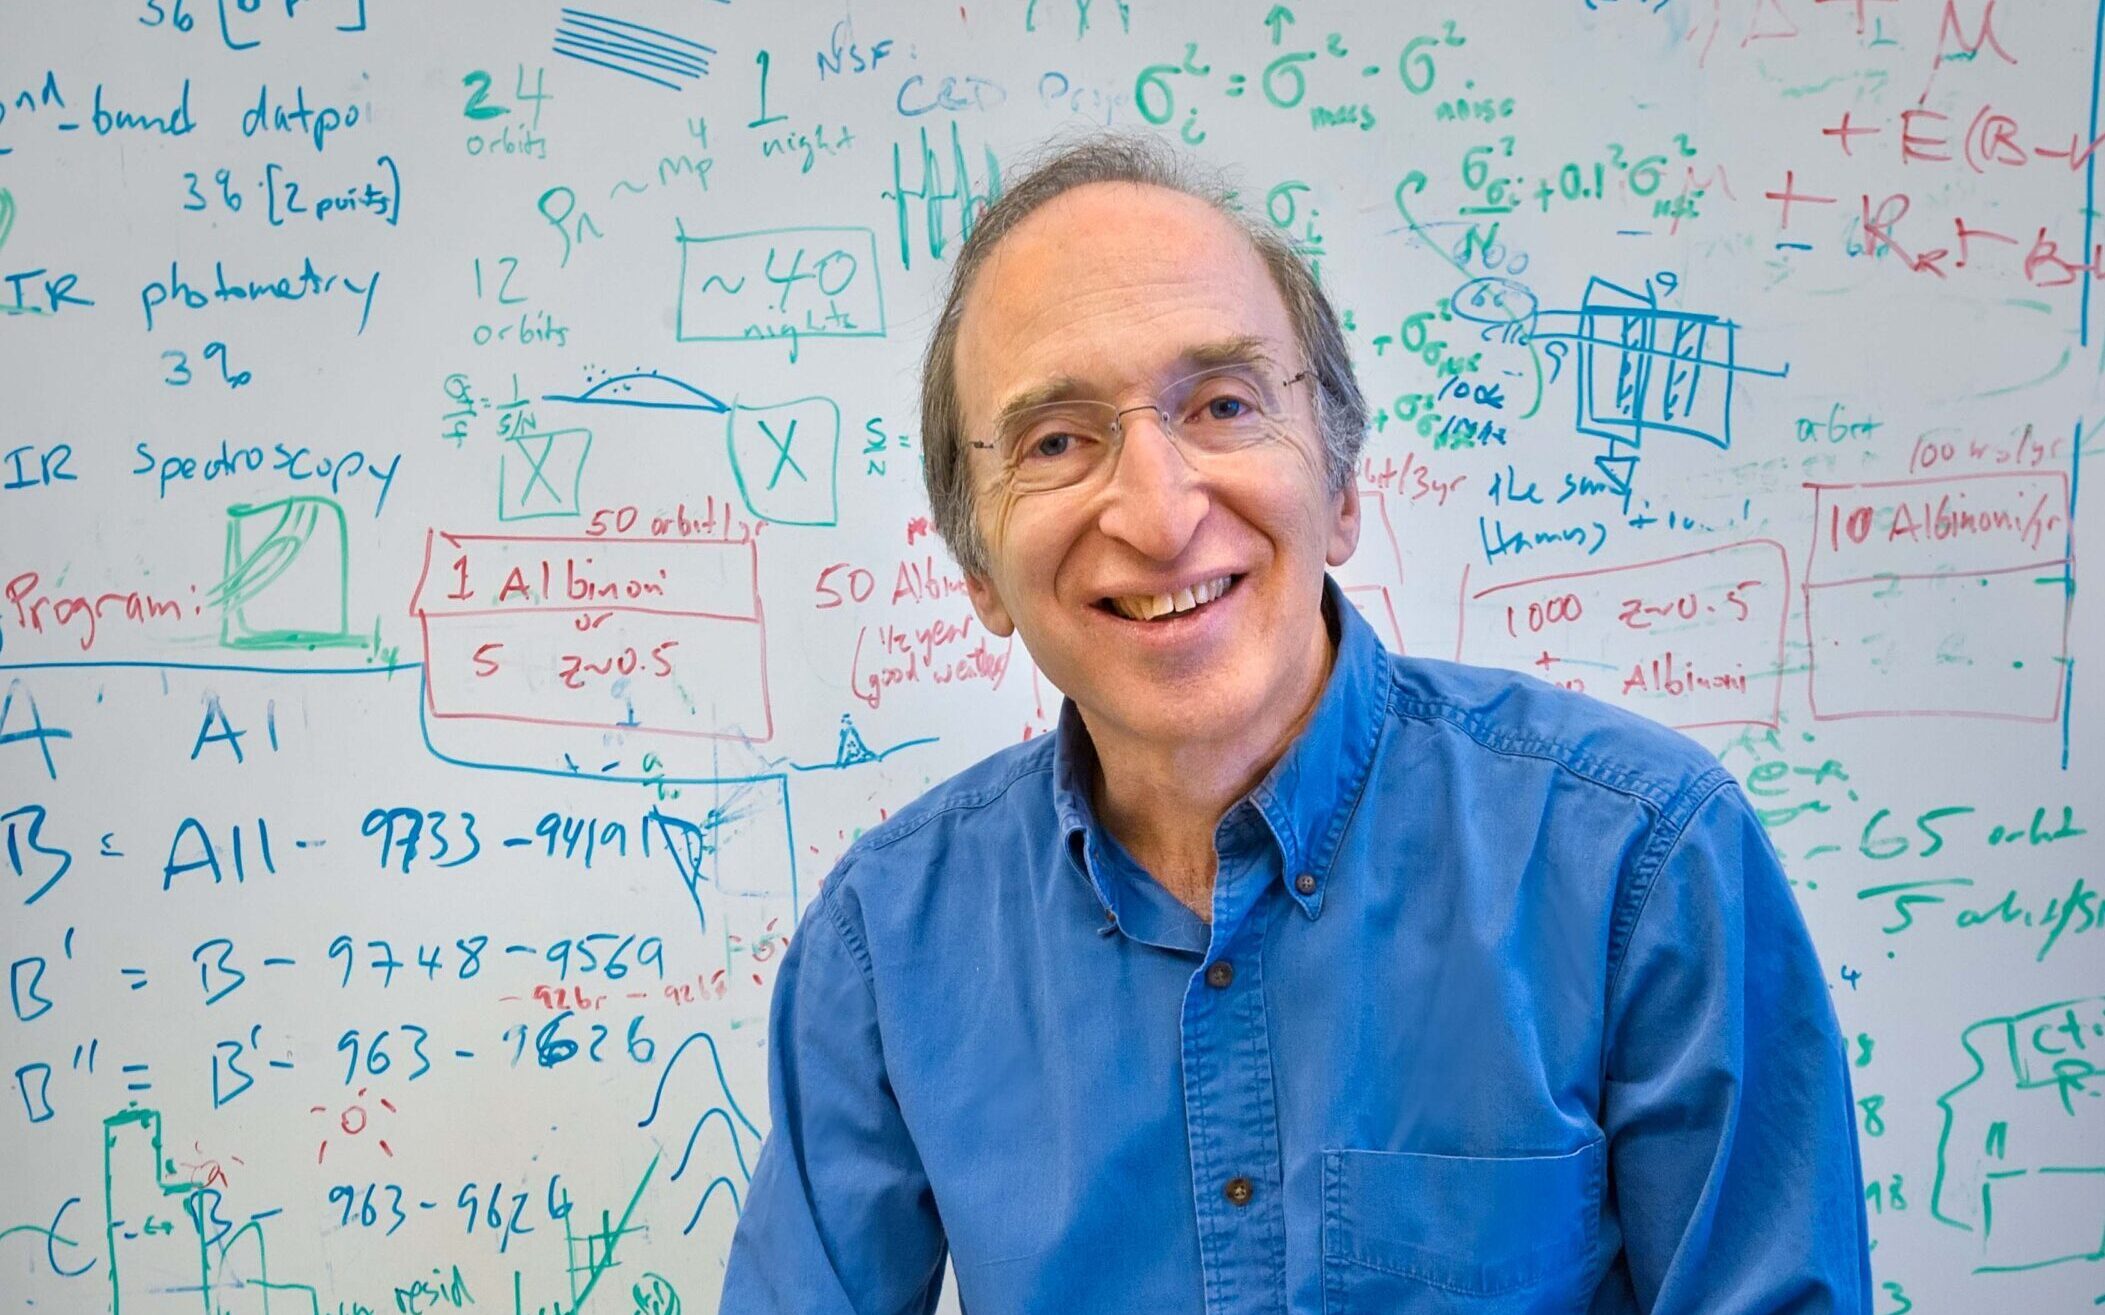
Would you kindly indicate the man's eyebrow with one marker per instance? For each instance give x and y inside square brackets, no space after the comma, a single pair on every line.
[1244,349]
[1059,388]
[1247,349]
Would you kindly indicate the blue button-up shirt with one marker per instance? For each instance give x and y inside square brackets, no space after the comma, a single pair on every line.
[1505,1006]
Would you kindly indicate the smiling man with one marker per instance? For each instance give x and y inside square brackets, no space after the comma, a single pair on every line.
[1288,975]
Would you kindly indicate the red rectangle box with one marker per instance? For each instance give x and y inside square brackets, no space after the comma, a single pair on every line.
[1691,640]
[1939,597]
[624,634]
[1925,528]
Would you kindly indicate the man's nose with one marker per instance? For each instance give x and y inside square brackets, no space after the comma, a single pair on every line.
[1155,499]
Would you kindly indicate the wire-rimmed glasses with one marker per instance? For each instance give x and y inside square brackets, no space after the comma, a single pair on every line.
[1211,412]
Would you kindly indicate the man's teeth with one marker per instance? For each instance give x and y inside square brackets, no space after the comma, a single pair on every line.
[1146,608]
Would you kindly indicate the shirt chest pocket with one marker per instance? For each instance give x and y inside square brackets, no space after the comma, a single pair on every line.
[1419,1234]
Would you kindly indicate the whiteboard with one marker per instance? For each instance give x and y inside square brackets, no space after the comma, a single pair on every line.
[466,577]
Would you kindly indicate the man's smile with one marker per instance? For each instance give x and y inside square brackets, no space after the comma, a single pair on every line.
[1173,602]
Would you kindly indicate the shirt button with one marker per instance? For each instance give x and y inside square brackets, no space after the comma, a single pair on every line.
[1306,883]
[1238,1191]
[1218,976]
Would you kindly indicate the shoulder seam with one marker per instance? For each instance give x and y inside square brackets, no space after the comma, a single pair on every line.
[977,799]
[1667,835]
[829,905]
[1623,781]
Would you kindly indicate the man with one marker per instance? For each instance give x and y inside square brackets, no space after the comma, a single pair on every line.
[1287,975]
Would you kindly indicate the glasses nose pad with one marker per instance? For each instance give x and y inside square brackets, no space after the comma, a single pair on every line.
[1162,421]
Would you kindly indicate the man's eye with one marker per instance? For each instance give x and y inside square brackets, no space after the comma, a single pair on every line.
[1227,408]
[1049,447]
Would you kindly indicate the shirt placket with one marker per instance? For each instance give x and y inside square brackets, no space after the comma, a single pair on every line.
[1231,1117]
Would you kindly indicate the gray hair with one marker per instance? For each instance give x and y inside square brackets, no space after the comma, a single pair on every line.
[1341,410]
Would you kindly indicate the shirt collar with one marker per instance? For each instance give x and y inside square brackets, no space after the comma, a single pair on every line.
[1309,795]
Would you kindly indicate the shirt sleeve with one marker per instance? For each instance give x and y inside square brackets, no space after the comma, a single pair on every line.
[839,1216]
[1731,1133]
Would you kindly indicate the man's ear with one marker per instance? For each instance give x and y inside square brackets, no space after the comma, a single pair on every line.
[987,602]
[1344,528]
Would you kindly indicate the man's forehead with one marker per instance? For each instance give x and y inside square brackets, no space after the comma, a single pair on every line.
[1095,206]
[1056,291]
